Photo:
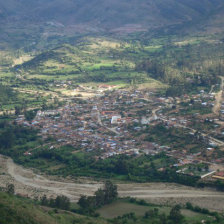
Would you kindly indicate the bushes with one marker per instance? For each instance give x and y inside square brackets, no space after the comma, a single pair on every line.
[200,210]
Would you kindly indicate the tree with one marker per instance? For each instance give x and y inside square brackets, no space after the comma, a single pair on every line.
[121,166]
[189,206]
[62,202]
[175,215]
[100,197]
[10,189]
[44,200]
[18,110]
[52,203]
[7,138]
[83,202]
[163,219]
[30,115]
[110,191]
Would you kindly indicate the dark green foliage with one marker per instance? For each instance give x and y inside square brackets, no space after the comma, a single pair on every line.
[175,215]
[127,218]
[152,213]
[10,189]
[110,192]
[154,216]
[30,115]
[200,210]
[18,110]
[13,137]
[102,197]
[39,59]
[44,200]
[172,62]
[125,167]
[6,94]
[219,185]
[189,206]
[60,202]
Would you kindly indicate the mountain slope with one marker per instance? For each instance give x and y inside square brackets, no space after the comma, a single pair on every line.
[41,24]
[110,14]
[16,210]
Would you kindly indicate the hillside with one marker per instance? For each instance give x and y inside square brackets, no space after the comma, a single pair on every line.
[153,63]
[130,91]
[111,14]
[24,211]
[6,94]
[90,60]
[39,21]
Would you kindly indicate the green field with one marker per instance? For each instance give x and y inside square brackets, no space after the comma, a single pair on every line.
[122,207]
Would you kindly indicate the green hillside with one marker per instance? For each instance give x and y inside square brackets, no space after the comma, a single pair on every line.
[113,13]
[154,63]
[15,210]
[91,60]
[37,24]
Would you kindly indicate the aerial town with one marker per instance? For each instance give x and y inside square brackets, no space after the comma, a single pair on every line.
[127,122]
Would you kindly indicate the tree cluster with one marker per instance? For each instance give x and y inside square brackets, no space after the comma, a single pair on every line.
[100,198]
[60,202]
[14,136]
[153,216]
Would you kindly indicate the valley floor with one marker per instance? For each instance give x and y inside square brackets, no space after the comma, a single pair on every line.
[27,183]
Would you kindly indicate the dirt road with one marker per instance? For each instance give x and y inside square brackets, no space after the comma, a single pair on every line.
[28,183]
[218,98]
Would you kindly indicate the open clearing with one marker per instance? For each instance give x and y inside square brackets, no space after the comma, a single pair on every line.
[28,183]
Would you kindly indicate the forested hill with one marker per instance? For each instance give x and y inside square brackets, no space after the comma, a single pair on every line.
[108,13]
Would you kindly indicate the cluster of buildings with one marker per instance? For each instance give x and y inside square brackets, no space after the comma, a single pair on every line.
[106,125]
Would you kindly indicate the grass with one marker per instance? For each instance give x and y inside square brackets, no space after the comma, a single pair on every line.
[122,207]
[153,49]
[20,210]
[98,60]
[24,211]
[88,61]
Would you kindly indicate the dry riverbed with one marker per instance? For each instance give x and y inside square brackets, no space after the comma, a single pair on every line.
[28,183]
